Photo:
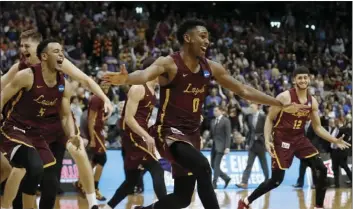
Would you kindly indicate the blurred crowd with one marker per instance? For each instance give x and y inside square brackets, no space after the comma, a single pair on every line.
[260,50]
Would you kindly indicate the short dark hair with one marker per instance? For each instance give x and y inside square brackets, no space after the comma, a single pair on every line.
[32,34]
[43,45]
[301,70]
[187,25]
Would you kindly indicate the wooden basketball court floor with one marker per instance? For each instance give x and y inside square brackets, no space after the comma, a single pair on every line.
[284,197]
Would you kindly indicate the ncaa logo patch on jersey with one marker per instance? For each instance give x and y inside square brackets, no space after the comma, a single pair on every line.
[206,74]
[61,88]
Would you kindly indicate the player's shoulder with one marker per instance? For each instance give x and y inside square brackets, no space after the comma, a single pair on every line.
[136,91]
[284,96]
[25,73]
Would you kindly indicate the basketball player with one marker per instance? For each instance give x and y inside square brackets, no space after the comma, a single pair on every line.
[184,77]
[29,42]
[137,143]
[289,140]
[97,140]
[46,93]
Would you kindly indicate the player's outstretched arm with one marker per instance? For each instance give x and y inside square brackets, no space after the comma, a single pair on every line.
[5,79]
[135,95]
[244,91]
[76,74]
[270,118]
[139,76]
[66,116]
[320,131]
[22,79]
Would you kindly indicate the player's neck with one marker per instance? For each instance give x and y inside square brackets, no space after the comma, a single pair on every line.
[302,93]
[35,60]
[190,61]
[48,74]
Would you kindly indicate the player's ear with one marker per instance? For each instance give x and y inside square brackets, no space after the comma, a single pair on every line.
[187,38]
[44,56]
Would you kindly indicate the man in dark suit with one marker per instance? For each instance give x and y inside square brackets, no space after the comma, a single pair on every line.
[220,133]
[338,156]
[256,144]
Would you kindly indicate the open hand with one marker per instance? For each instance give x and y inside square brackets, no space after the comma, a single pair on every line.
[341,143]
[116,78]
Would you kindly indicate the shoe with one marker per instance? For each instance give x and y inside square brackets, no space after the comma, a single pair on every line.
[297,186]
[316,207]
[242,205]
[227,182]
[99,196]
[95,207]
[137,207]
[242,185]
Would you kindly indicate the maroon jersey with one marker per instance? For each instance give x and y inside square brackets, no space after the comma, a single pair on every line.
[292,124]
[144,110]
[96,104]
[182,99]
[38,108]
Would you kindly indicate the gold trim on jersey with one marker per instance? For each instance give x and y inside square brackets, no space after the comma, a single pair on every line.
[277,160]
[124,124]
[164,107]
[14,103]
[312,155]
[13,139]
[50,164]
[99,141]
[141,147]
[279,119]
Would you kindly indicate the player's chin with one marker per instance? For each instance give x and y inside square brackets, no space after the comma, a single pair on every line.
[303,87]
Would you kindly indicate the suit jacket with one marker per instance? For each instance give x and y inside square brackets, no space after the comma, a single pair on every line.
[221,133]
[255,131]
[347,137]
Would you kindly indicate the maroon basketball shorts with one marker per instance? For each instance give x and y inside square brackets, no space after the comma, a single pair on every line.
[136,151]
[13,136]
[285,150]
[165,137]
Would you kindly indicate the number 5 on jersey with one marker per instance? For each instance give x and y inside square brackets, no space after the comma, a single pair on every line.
[195,104]
[41,112]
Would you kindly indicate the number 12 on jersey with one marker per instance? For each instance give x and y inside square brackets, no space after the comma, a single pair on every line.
[195,104]
[297,124]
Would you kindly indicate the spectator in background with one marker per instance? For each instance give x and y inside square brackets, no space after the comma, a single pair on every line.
[255,122]
[221,136]
[76,110]
[111,61]
[102,71]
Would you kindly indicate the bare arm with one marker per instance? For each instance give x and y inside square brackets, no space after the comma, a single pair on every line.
[148,74]
[244,91]
[316,123]
[22,79]
[66,116]
[91,121]
[271,116]
[5,79]
[136,93]
[76,74]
